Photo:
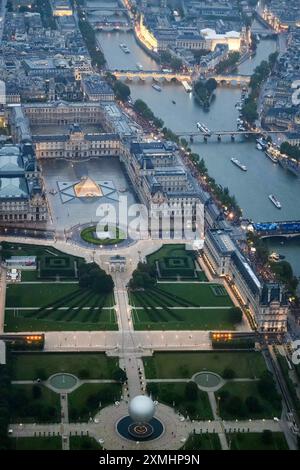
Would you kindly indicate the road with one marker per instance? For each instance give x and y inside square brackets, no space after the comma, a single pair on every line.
[2,297]
[114,342]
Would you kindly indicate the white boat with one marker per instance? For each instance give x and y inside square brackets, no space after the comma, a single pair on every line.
[275,201]
[203,128]
[187,86]
[236,162]
[259,147]
[271,156]
[139,66]
[261,142]
[124,48]
[156,87]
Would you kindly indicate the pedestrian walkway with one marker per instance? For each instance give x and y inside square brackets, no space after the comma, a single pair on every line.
[176,429]
[215,412]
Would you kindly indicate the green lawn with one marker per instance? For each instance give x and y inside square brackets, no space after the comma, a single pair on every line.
[167,251]
[165,365]
[177,294]
[182,319]
[25,366]
[61,320]
[42,252]
[244,390]
[202,442]
[85,401]
[88,235]
[253,441]
[30,276]
[59,295]
[171,258]
[37,443]
[84,443]
[173,394]
[63,307]
[157,310]
[27,249]
[27,409]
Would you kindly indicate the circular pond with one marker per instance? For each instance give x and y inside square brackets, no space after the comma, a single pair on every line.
[208,380]
[132,431]
[63,381]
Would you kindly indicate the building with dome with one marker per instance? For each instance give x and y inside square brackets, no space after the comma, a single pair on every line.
[21,194]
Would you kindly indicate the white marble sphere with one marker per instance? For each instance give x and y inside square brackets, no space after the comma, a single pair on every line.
[141,409]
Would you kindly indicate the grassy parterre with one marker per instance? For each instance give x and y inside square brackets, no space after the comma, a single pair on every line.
[173,261]
[63,307]
[36,443]
[26,366]
[86,400]
[154,308]
[28,409]
[39,295]
[244,390]
[182,319]
[174,395]
[51,262]
[182,295]
[173,365]
[84,443]
[202,442]
[254,441]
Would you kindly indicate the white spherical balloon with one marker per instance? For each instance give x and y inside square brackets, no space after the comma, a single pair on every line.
[141,409]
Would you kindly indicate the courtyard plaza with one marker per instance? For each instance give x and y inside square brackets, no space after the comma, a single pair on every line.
[62,179]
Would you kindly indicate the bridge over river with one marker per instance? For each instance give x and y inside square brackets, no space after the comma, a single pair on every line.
[231,80]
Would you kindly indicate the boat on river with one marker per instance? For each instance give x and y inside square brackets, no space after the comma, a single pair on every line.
[236,162]
[275,201]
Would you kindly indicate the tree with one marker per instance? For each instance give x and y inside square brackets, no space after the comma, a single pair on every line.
[249,111]
[235,315]
[143,277]
[228,63]
[267,389]
[143,109]
[41,374]
[253,404]
[191,410]
[267,437]
[84,374]
[292,151]
[91,276]
[228,373]
[211,85]
[119,375]
[122,91]
[36,392]
[191,391]
[9,6]
[235,406]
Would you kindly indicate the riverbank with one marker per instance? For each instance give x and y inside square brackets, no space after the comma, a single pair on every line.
[152,54]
